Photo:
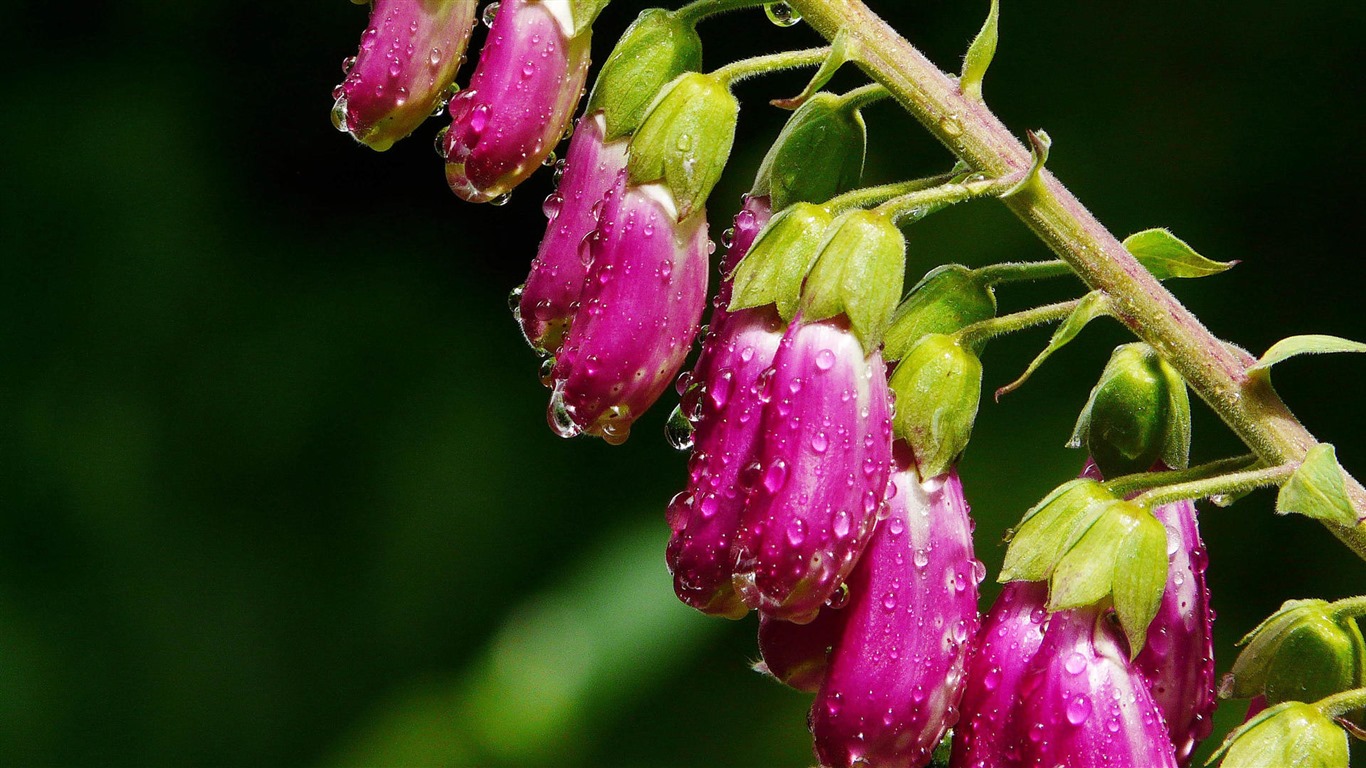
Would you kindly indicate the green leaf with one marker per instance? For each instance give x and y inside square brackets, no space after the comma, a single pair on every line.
[858,274]
[1085,574]
[1140,578]
[1039,145]
[1093,305]
[1312,344]
[843,49]
[1166,256]
[1050,528]
[1318,490]
[980,54]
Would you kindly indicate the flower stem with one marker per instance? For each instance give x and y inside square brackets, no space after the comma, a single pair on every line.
[1340,704]
[984,330]
[1350,607]
[744,69]
[1127,485]
[1216,372]
[1022,271]
[916,205]
[699,10]
[870,196]
[864,95]
[1231,483]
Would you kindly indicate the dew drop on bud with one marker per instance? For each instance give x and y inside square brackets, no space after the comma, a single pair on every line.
[547,372]
[550,159]
[501,200]
[782,14]
[678,430]
[839,599]
[515,301]
[439,143]
[339,116]
[561,420]
[347,64]
[490,13]
[728,238]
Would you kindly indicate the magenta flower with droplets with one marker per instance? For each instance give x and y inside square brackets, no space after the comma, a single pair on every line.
[896,673]
[798,655]
[551,295]
[407,61]
[1082,705]
[823,471]
[721,398]
[1178,658]
[519,103]
[1010,636]
[639,313]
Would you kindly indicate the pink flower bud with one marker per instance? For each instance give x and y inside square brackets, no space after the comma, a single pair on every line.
[408,57]
[520,101]
[552,290]
[1011,635]
[798,655]
[1178,659]
[1081,703]
[641,304]
[896,673]
[823,470]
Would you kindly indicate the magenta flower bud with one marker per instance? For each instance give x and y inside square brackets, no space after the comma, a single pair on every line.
[797,655]
[896,673]
[551,294]
[641,305]
[1081,703]
[521,97]
[407,60]
[1011,635]
[823,470]
[1178,659]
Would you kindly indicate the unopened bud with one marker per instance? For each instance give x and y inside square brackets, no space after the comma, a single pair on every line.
[818,154]
[944,301]
[937,386]
[685,139]
[1303,652]
[1138,414]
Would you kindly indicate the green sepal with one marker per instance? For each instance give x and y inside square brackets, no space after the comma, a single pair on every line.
[938,385]
[980,54]
[1318,489]
[858,273]
[1084,574]
[1039,145]
[1048,529]
[1166,256]
[654,50]
[944,301]
[818,154]
[1140,579]
[1093,305]
[778,262]
[1303,652]
[685,139]
[1289,735]
[582,14]
[1138,413]
[1312,344]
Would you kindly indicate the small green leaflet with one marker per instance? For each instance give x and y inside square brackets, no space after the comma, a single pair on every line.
[1317,489]
[1093,305]
[1312,344]
[979,55]
[1166,256]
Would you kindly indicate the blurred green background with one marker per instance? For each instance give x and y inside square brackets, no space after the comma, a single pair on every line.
[277,487]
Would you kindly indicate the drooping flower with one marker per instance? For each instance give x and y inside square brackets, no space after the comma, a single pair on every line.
[897,670]
[798,655]
[823,470]
[407,60]
[520,100]
[640,310]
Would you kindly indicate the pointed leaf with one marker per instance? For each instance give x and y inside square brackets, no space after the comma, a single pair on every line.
[1139,580]
[1166,256]
[980,54]
[1312,344]
[1093,305]
[842,50]
[1049,529]
[1039,145]
[1085,574]
[1317,489]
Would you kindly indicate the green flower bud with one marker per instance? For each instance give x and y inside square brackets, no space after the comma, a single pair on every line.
[685,139]
[858,274]
[1050,528]
[818,154]
[938,385]
[944,301]
[1138,414]
[773,270]
[1290,735]
[1303,652]
[654,50]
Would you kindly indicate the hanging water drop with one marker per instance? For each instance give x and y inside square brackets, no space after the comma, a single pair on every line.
[490,13]
[678,430]
[347,64]
[439,143]
[501,200]
[782,14]
[339,117]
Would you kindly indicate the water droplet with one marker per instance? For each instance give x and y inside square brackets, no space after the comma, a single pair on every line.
[825,359]
[889,601]
[776,476]
[1075,664]
[921,558]
[678,430]
[551,206]
[838,599]
[515,300]
[728,237]
[347,64]
[1078,709]
[796,532]
[490,13]
[439,143]
[339,117]
[501,200]
[547,372]
[951,125]
[842,523]
[561,418]
[550,160]
[820,443]
[782,14]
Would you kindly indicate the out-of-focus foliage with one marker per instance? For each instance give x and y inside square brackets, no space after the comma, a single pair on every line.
[276,484]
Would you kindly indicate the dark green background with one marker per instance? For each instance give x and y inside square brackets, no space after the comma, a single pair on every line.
[276,484]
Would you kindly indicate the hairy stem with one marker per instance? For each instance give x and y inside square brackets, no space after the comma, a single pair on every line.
[980,332]
[702,9]
[1221,485]
[1340,704]
[870,196]
[916,205]
[1126,485]
[744,69]
[1250,407]
[1022,271]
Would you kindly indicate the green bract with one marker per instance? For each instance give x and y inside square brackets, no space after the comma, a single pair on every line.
[1138,414]
[1303,652]
[1046,531]
[654,50]
[818,155]
[773,270]
[1290,735]
[685,139]
[938,385]
[858,273]
[944,301]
